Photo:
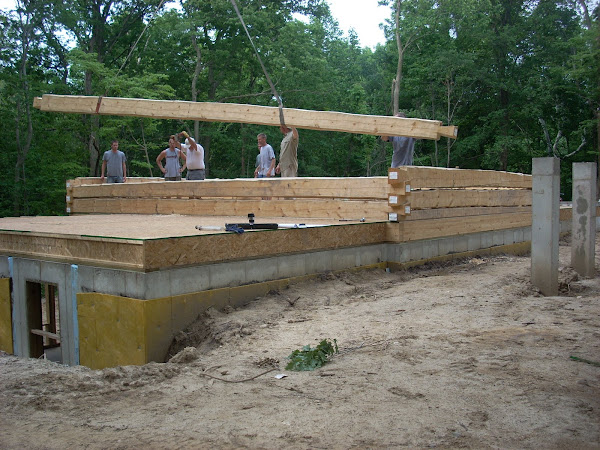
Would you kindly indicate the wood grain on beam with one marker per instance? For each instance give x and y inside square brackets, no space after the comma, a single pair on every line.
[415,230]
[371,188]
[252,114]
[458,198]
[438,177]
[333,209]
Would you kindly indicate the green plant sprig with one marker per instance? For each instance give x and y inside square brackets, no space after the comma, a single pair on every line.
[312,358]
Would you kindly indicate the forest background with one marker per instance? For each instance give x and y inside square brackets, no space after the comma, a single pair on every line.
[520,79]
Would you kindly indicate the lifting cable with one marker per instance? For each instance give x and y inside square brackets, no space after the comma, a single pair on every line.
[130,52]
[273,90]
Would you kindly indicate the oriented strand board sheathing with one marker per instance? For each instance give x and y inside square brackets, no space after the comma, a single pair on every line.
[122,253]
[254,244]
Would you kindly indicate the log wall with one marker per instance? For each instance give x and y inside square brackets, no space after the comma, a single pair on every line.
[452,201]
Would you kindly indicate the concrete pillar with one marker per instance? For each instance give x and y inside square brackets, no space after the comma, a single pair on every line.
[583,230]
[545,224]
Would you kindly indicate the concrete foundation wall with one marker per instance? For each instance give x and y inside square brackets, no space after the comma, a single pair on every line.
[98,302]
[61,275]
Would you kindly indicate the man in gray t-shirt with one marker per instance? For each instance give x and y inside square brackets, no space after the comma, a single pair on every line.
[266,168]
[404,148]
[113,164]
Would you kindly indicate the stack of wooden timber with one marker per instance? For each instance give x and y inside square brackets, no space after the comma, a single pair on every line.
[427,202]
[433,202]
[94,180]
[319,198]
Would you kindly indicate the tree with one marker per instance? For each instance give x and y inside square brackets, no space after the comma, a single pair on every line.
[412,20]
[25,26]
[98,26]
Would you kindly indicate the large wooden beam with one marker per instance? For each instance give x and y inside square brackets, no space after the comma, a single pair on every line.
[364,188]
[259,115]
[439,177]
[460,198]
[315,209]
[81,181]
[405,231]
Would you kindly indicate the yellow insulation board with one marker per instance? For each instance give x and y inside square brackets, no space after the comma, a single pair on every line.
[121,331]
[6,337]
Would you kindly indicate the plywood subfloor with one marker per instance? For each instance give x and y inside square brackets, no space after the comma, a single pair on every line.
[139,226]
[154,242]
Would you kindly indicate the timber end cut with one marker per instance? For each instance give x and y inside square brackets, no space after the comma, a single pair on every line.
[251,114]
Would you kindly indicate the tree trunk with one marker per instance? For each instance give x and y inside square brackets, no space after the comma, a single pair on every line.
[23,147]
[449,115]
[398,79]
[145,147]
[586,15]
[96,45]
[244,169]
[598,144]
[504,101]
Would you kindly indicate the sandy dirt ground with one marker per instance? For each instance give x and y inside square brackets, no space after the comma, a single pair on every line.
[460,355]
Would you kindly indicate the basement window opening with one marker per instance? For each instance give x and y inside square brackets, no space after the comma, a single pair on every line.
[43,321]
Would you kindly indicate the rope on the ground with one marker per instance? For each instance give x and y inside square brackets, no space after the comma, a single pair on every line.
[236,381]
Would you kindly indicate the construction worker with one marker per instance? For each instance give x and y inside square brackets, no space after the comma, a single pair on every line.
[267,158]
[194,158]
[172,154]
[404,148]
[114,161]
[288,155]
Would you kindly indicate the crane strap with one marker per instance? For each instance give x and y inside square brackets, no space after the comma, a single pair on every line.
[273,90]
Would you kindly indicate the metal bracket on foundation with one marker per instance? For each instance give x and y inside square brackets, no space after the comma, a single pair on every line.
[11,275]
[74,282]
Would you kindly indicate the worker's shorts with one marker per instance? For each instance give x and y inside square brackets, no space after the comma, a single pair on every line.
[196,174]
[114,179]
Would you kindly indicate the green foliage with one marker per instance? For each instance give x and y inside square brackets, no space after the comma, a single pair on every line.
[312,358]
[494,68]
